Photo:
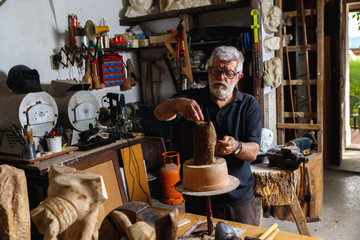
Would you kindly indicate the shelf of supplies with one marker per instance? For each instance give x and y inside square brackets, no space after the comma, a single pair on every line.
[192,11]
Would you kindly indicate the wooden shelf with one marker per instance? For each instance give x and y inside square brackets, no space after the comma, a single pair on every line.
[159,46]
[191,11]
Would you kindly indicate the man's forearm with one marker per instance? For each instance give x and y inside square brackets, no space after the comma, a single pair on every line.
[166,110]
[249,151]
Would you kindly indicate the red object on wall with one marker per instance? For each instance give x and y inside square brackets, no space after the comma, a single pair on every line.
[112,69]
[169,175]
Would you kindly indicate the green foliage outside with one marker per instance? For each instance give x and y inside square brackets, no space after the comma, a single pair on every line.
[354,69]
[354,72]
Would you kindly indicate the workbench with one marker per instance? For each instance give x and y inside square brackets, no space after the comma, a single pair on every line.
[105,160]
[252,231]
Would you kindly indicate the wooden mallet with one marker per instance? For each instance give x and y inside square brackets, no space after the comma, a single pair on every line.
[266,233]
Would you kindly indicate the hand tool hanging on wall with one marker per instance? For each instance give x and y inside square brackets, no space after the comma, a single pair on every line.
[290,83]
[255,26]
[181,45]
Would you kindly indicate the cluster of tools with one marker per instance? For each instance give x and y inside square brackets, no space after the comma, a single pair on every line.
[24,135]
[223,231]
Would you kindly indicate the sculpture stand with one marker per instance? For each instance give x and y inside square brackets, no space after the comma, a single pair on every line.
[234,183]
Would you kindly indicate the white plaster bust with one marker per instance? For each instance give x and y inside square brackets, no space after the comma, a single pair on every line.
[271,43]
[138,8]
[272,72]
[271,15]
[168,5]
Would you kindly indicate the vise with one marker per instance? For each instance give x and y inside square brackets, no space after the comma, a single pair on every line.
[286,157]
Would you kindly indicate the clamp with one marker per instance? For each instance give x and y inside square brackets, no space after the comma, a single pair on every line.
[255,26]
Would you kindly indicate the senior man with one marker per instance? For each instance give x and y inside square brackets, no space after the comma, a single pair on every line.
[237,120]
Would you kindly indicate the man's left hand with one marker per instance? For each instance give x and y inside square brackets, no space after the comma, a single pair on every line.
[227,145]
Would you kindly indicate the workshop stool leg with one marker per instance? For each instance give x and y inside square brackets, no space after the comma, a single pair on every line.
[259,210]
[299,218]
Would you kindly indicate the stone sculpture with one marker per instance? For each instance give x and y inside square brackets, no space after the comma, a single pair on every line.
[272,72]
[272,16]
[266,140]
[139,8]
[271,43]
[71,207]
[14,204]
[168,5]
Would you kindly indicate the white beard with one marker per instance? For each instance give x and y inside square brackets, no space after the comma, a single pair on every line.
[221,91]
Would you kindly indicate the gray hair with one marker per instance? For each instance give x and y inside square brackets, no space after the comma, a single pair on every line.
[228,53]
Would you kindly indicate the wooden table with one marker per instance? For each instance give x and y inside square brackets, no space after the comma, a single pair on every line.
[252,231]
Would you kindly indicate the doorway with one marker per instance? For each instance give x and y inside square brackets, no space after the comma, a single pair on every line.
[353,141]
[349,143]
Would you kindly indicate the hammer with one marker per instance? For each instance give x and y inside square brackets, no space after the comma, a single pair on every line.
[266,233]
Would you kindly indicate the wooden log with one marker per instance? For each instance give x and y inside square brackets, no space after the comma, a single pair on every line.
[274,185]
[14,204]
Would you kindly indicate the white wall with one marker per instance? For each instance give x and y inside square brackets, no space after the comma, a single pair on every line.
[32,31]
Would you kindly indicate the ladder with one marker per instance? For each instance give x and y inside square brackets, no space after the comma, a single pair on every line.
[309,118]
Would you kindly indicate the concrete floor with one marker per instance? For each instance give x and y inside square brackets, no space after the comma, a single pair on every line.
[341,206]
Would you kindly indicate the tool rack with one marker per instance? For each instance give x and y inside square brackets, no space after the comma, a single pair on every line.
[112,69]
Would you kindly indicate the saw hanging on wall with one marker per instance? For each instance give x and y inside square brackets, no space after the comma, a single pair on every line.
[181,36]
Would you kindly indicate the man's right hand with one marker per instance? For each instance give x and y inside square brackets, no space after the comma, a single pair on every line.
[189,108]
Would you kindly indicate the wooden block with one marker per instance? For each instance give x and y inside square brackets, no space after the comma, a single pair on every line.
[156,39]
[106,170]
[300,218]
[135,174]
[259,210]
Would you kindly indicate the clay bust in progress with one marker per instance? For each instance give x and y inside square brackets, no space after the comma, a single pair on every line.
[271,16]
[273,72]
[271,43]
[205,138]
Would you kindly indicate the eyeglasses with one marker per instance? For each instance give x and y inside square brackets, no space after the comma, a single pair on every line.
[218,70]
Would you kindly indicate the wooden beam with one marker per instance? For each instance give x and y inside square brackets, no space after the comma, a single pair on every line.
[293,14]
[299,82]
[299,126]
[280,90]
[299,48]
[300,114]
[320,71]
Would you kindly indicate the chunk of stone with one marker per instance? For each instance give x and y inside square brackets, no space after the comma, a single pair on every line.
[14,204]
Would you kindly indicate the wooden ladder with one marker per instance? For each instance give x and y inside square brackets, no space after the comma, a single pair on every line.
[305,119]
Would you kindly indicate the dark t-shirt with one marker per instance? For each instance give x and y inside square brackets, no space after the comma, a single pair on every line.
[240,119]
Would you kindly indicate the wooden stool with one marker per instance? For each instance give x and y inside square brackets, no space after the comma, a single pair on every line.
[278,187]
